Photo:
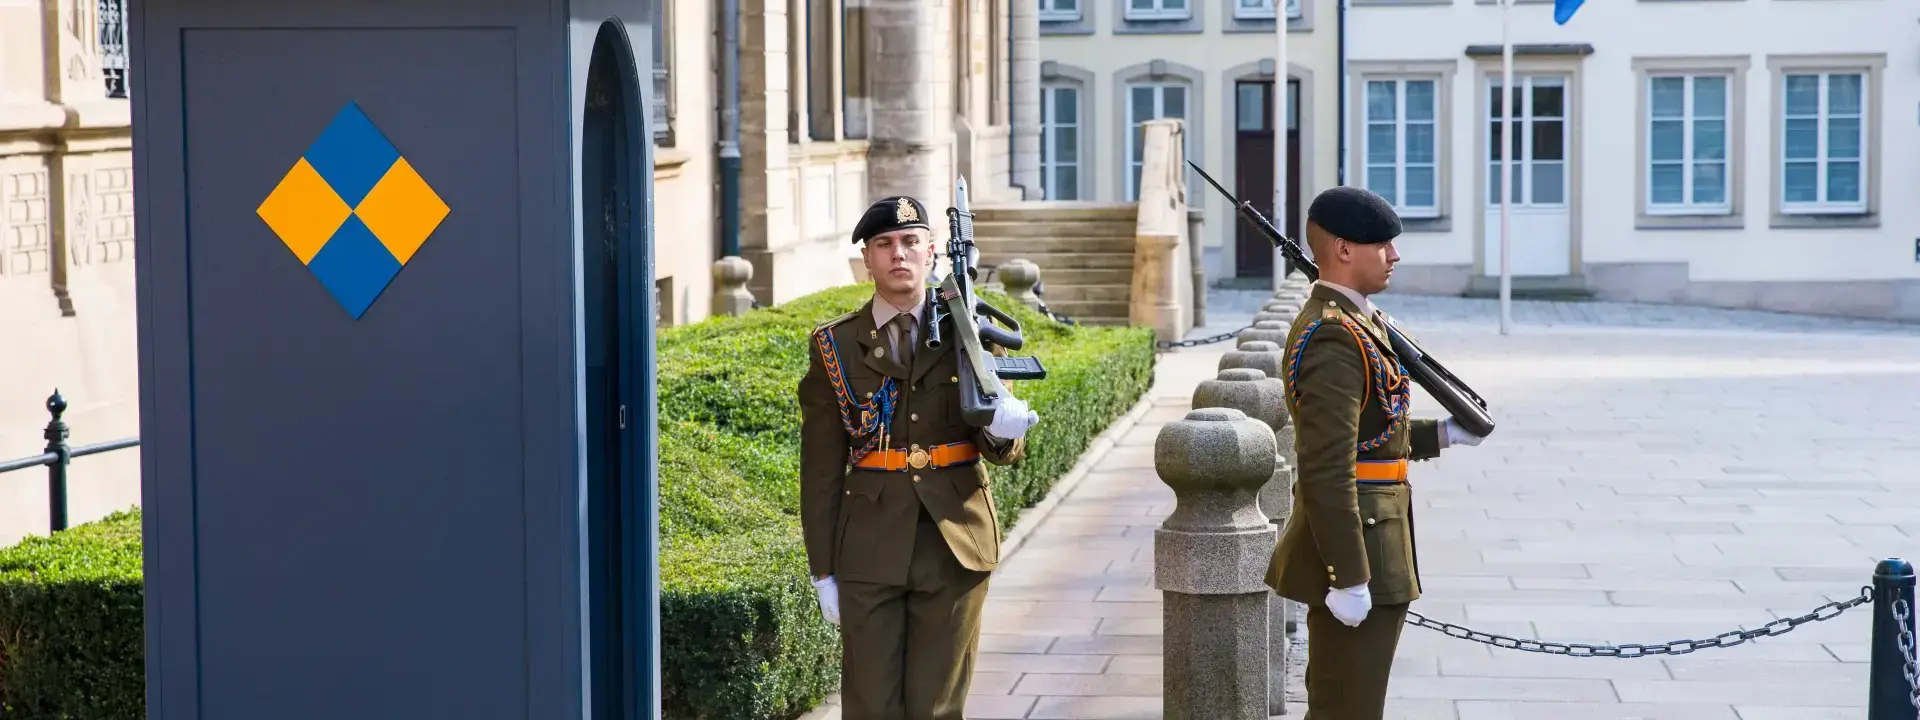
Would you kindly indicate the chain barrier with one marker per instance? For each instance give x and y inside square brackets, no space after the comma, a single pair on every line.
[1828,611]
[1903,619]
[1222,337]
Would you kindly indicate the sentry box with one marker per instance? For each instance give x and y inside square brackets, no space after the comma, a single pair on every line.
[395,374]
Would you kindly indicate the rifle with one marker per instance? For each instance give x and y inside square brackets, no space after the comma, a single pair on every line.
[1467,407]
[980,371]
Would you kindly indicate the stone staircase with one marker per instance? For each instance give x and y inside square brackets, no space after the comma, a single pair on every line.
[1084,252]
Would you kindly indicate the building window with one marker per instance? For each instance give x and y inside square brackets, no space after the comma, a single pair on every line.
[1151,101]
[113,46]
[1059,10]
[1060,141]
[1263,9]
[1687,151]
[662,74]
[1158,10]
[1400,145]
[1823,141]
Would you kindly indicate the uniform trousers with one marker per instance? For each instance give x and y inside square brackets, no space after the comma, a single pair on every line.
[1347,667]
[907,651]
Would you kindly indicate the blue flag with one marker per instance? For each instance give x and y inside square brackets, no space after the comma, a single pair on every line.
[1563,10]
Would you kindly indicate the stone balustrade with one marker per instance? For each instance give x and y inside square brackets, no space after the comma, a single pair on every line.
[730,278]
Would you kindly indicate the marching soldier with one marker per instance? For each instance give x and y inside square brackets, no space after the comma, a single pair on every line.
[900,526]
[1348,549]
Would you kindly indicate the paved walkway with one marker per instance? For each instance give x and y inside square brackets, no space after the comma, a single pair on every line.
[1658,474]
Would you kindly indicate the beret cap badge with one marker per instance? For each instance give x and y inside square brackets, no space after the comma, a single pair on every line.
[904,212]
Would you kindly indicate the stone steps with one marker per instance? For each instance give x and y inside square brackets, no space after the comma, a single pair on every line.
[1084,252]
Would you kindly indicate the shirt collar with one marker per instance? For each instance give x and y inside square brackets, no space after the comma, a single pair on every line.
[884,311]
[1359,301]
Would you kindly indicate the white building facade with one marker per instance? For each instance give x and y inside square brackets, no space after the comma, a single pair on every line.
[1109,65]
[1736,153]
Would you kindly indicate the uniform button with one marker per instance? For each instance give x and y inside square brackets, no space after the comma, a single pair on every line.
[914,417]
[916,478]
[1329,569]
[849,492]
[1369,521]
[955,378]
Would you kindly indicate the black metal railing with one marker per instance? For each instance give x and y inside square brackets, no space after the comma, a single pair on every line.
[58,456]
[113,46]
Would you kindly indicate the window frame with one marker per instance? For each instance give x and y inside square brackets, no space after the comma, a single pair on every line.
[1264,11]
[1364,157]
[1158,12]
[1132,158]
[1823,118]
[1049,87]
[1050,10]
[1688,119]
[1871,67]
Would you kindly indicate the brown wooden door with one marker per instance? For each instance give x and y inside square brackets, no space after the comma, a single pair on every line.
[1253,169]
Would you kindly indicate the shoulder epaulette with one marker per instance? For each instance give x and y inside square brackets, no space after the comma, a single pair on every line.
[836,321]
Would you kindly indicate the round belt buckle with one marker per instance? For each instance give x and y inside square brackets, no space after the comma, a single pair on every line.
[918,459]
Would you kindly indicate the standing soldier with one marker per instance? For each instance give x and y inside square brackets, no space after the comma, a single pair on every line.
[1347,551]
[901,543]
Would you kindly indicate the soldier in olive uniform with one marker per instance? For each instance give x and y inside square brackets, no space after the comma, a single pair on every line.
[1347,551]
[900,525]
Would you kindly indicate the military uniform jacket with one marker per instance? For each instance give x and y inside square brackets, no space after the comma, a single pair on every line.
[1349,398]
[859,523]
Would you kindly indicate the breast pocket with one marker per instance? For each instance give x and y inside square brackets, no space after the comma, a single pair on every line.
[1383,518]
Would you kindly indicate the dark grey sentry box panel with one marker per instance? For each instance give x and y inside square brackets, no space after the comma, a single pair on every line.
[362,451]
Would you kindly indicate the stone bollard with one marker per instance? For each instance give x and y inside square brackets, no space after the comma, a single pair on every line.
[1245,385]
[1284,318]
[730,295]
[1273,332]
[1019,275]
[1210,564]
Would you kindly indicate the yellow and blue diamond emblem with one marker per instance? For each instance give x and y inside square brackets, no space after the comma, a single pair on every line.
[353,210]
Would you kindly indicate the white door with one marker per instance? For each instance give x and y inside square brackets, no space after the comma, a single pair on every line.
[1539,220]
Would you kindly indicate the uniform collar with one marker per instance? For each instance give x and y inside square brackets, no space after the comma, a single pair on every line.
[1360,302]
[883,311]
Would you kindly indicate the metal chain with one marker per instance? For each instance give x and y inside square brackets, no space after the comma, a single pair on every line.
[1902,619]
[1677,647]
[1223,337]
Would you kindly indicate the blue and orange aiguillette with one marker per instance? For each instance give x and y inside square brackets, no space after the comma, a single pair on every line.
[353,210]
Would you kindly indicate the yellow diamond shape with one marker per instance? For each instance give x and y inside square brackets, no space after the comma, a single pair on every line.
[303,211]
[402,210]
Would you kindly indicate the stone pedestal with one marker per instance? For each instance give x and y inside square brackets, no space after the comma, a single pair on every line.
[730,278]
[1270,331]
[1019,276]
[1210,563]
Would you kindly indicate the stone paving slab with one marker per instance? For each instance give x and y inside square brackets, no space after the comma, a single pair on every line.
[1659,473]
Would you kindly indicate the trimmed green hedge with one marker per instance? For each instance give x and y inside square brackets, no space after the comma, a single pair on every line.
[743,638]
[72,639]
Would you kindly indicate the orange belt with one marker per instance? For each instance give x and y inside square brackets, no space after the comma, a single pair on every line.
[1380,471]
[919,458]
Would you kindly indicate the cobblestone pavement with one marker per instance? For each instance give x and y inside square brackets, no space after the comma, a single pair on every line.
[1659,473]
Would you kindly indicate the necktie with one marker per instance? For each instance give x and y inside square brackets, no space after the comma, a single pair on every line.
[900,337]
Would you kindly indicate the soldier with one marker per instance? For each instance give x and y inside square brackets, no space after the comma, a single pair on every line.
[900,544]
[1348,550]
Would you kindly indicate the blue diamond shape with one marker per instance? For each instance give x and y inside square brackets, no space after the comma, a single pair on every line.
[352,155]
[354,266]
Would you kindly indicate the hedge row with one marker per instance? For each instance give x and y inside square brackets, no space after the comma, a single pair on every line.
[742,636]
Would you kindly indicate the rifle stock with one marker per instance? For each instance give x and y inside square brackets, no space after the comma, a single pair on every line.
[1467,407]
[980,370]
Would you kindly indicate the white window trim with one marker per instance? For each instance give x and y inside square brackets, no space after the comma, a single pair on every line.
[1048,125]
[1528,161]
[1687,206]
[1823,207]
[1129,166]
[1159,12]
[1265,10]
[1400,139]
[1050,12]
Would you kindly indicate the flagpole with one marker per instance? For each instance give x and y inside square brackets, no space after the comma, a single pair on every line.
[1280,115]
[1506,163]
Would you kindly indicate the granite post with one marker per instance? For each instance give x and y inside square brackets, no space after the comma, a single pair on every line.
[1019,276]
[1269,330]
[1261,397]
[730,294]
[1210,564]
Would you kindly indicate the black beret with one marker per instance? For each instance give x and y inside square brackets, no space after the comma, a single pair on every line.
[888,214]
[1355,214]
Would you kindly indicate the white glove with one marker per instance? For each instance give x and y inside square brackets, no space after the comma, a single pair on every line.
[1350,605]
[1011,419]
[829,593]
[1457,435]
